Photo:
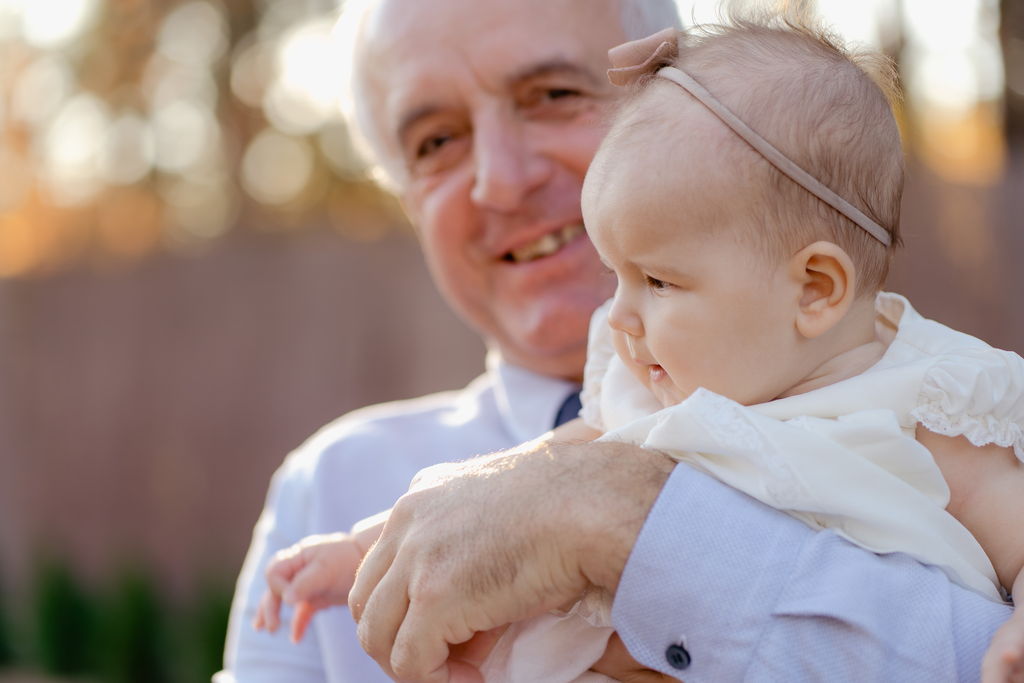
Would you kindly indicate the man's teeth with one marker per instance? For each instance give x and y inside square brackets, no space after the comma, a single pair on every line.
[546,245]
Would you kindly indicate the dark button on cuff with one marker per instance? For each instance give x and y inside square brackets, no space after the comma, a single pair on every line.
[677,656]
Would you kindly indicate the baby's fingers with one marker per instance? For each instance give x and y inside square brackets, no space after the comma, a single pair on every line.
[268,614]
[282,569]
[303,614]
[323,583]
[1004,661]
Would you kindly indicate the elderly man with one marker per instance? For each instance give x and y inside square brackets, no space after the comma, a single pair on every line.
[484,115]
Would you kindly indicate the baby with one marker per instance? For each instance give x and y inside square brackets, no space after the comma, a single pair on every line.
[747,199]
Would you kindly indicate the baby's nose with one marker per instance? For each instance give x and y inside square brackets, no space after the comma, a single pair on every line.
[623,317]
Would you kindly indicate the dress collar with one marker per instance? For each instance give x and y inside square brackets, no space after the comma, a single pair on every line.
[527,402]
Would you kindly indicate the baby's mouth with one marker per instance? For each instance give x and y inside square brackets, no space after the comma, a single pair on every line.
[656,373]
[546,245]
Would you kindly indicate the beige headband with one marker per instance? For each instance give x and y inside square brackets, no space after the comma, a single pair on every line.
[655,55]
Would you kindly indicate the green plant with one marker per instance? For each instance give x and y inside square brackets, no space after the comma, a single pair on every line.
[7,656]
[132,636]
[65,620]
[202,631]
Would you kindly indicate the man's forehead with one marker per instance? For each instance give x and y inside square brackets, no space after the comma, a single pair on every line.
[391,22]
[419,54]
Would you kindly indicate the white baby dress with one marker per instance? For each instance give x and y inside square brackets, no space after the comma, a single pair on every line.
[841,457]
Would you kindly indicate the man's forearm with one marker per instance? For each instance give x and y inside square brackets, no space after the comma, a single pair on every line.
[494,540]
[751,594]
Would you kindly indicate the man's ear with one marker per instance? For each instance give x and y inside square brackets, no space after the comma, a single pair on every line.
[828,287]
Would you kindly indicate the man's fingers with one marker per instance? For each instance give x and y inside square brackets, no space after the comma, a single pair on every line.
[420,651]
[373,568]
[477,649]
[381,618]
[460,672]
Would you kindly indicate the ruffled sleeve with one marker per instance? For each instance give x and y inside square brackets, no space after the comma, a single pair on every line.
[978,394]
[599,354]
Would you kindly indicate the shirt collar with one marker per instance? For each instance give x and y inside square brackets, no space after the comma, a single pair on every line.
[527,402]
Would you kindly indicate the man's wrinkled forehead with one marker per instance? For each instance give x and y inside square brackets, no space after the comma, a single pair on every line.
[416,57]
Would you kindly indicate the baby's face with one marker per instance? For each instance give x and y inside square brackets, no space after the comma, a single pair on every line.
[696,306]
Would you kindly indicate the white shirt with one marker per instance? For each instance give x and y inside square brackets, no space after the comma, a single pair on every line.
[750,593]
[355,467]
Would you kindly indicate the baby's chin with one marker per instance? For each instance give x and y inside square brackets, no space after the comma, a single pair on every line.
[667,393]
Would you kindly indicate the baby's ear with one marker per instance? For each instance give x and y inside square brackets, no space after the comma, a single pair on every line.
[828,287]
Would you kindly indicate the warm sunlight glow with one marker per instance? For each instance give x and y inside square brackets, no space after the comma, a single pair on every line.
[306,91]
[71,150]
[276,168]
[52,23]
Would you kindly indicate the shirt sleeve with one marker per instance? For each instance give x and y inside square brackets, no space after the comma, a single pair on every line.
[252,656]
[720,587]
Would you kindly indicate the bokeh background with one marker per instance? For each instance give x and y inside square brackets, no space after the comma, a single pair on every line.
[195,274]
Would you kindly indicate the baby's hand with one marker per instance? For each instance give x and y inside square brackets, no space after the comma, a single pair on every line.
[1004,661]
[315,573]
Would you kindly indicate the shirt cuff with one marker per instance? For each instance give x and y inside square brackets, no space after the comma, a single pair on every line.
[691,601]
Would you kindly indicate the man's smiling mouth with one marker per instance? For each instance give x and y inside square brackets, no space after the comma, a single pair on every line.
[544,246]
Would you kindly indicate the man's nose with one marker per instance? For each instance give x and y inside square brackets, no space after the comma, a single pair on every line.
[508,167]
[623,316]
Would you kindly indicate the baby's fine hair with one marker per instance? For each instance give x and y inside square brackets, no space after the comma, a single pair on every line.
[826,107]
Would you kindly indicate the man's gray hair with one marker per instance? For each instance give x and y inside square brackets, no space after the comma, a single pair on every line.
[640,18]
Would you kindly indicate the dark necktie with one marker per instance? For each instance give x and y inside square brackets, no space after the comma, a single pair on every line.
[570,409]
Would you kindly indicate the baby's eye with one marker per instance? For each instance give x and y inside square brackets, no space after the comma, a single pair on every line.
[655,283]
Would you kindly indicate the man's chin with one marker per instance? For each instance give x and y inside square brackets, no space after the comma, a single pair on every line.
[558,349]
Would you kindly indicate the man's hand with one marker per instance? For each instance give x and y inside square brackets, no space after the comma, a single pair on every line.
[478,545]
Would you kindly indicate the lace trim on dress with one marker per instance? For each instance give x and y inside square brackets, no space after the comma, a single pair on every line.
[982,401]
[980,430]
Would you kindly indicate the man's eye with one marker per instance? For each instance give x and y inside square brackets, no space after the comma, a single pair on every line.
[541,98]
[655,283]
[431,145]
[561,93]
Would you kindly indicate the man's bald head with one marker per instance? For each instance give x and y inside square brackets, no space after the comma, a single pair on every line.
[826,108]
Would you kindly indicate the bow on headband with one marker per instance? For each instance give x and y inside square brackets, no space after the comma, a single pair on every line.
[656,54]
[636,58]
